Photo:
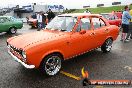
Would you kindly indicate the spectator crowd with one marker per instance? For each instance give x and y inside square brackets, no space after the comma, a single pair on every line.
[43,18]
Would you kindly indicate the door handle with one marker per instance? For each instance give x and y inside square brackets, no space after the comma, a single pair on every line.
[106,29]
[68,43]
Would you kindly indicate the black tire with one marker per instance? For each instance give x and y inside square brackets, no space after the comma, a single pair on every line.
[106,47]
[12,30]
[50,67]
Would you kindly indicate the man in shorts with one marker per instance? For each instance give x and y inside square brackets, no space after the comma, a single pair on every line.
[125,23]
[129,36]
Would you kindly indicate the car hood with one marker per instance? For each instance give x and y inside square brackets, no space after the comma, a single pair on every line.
[26,40]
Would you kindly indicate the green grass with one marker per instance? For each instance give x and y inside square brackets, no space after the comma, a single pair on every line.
[101,9]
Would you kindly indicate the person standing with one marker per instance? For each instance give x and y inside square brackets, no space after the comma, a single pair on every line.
[39,19]
[125,23]
[112,16]
[129,36]
[43,20]
[87,11]
[50,15]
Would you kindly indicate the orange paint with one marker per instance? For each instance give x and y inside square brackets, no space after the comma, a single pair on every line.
[38,45]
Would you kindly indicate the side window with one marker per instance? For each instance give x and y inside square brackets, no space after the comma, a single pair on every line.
[70,23]
[85,23]
[102,23]
[2,20]
[113,17]
[78,28]
[97,23]
[7,19]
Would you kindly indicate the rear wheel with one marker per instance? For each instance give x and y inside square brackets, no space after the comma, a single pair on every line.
[51,65]
[12,30]
[106,47]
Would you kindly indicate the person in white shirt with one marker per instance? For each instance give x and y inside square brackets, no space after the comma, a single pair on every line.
[39,19]
[87,11]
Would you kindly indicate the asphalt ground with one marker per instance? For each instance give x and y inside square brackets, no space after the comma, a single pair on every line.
[115,65]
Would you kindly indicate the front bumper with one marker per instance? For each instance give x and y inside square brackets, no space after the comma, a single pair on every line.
[18,60]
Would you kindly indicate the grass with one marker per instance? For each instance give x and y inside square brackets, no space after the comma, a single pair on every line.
[101,9]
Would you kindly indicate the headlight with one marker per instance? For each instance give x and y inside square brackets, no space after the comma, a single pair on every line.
[23,54]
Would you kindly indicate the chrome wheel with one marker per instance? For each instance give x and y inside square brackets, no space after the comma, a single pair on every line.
[106,47]
[53,65]
[13,30]
[109,44]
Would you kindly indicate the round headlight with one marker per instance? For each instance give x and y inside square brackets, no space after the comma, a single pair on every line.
[23,54]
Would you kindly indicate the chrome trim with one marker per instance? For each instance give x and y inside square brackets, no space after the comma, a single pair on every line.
[82,53]
[18,60]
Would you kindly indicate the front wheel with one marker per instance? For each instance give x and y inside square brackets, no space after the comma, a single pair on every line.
[106,47]
[51,65]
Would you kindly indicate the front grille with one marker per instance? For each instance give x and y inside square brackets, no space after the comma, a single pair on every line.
[16,50]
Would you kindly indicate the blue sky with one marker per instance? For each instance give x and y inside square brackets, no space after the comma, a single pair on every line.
[65,3]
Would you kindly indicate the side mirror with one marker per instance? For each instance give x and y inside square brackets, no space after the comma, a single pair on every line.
[82,31]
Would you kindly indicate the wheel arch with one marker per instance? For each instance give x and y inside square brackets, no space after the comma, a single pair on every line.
[109,37]
[50,53]
[12,27]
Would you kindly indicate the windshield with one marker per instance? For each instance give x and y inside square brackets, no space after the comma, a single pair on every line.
[62,23]
[105,16]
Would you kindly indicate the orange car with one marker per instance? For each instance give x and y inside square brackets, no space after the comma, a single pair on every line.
[66,36]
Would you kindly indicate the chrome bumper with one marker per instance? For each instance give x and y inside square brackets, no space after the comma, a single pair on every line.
[18,60]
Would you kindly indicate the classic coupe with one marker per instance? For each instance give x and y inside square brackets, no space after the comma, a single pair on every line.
[10,24]
[66,36]
[113,19]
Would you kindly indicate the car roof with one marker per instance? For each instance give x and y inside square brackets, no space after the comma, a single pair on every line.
[6,16]
[79,14]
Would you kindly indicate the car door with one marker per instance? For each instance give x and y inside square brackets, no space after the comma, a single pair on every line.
[4,24]
[100,31]
[2,27]
[82,39]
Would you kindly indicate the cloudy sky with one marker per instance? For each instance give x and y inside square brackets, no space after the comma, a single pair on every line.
[65,3]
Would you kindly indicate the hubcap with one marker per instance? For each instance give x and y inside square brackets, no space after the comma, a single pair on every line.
[13,30]
[109,45]
[53,65]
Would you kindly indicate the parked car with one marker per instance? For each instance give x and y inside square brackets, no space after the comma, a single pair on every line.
[112,19]
[66,36]
[33,22]
[10,24]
